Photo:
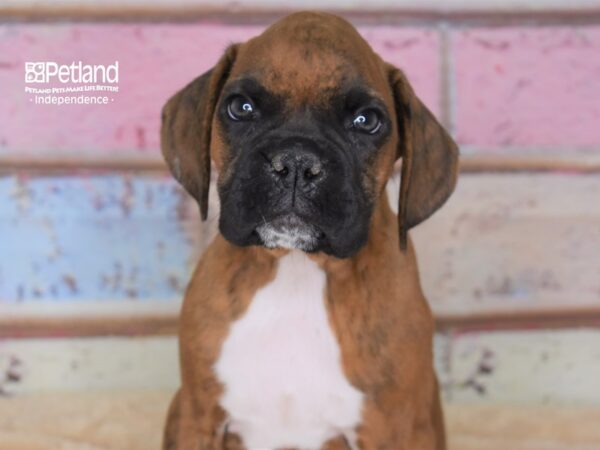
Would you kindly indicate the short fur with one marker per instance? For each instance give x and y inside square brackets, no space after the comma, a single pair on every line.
[307,74]
[293,391]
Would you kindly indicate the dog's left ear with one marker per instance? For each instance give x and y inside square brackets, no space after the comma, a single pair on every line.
[186,129]
[429,157]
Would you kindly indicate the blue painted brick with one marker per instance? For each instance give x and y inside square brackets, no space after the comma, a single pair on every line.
[65,238]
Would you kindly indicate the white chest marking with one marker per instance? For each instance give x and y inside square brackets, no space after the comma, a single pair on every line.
[281,366]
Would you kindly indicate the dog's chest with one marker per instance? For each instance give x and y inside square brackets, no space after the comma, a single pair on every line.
[281,366]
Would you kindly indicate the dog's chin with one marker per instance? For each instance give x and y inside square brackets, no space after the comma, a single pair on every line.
[291,232]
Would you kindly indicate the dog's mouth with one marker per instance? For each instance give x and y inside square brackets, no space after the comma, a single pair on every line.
[290,231]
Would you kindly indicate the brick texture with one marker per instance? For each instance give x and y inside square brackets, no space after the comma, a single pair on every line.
[527,87]
[155,60]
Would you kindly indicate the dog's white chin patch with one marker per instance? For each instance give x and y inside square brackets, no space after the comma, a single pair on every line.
[288,232]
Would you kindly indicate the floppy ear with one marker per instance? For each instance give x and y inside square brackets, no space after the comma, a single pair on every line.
[429,157]
[186,129]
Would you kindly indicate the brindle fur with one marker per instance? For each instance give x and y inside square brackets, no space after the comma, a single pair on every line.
[374,299]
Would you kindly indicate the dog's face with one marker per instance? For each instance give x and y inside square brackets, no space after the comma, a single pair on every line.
[299,174]
[304,124]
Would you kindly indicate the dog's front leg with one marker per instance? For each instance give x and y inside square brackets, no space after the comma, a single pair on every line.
[194,427]
[387,355]
[413,423]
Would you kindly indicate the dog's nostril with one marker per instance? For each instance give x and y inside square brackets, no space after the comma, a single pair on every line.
[313,171]
[279,166]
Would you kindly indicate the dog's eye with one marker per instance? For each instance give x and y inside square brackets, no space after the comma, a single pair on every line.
[367,121]
[240,108]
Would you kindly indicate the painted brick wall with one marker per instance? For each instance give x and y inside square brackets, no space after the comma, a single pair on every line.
[508,242]
[518,87]
[155,61]
[527,87]
[511,90]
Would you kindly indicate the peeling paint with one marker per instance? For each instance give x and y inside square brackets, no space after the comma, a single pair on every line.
[156,60]
[527,86]
[92,238]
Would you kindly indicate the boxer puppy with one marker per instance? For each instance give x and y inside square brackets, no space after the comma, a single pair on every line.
[304,325]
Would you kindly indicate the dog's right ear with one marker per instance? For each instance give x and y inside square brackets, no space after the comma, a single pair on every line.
[185,133]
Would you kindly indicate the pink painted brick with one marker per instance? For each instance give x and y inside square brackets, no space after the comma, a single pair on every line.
[528,87]
[155,60]
[416,51]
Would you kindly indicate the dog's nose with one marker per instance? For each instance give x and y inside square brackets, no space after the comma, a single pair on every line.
[300,166]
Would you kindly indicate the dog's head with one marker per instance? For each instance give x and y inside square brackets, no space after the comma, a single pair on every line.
[304,124]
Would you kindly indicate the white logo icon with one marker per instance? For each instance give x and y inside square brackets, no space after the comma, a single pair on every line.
[35,72]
